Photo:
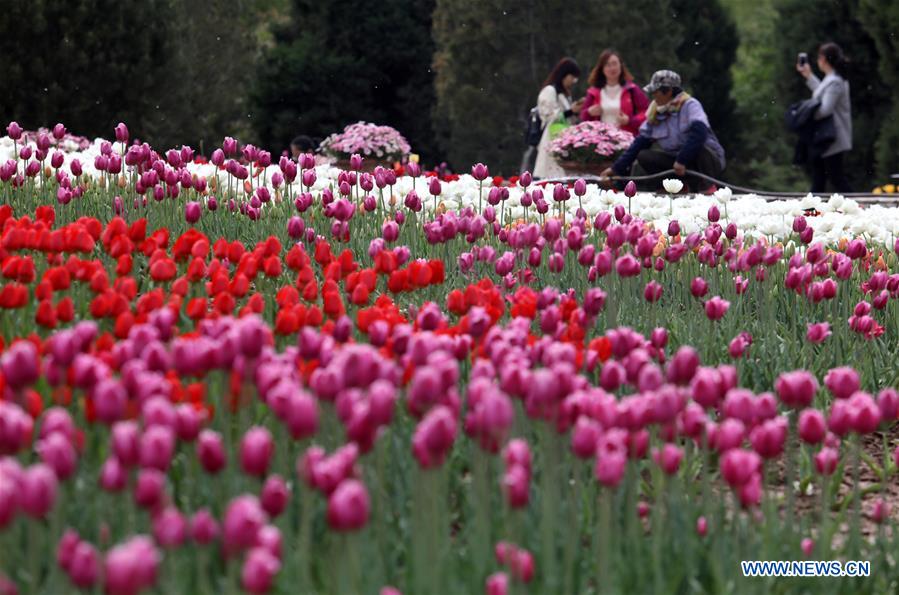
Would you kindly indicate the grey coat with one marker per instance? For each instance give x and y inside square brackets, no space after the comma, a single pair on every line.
[833,92]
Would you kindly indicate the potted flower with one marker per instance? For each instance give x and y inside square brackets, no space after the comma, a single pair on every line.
[589,147]
[378,145]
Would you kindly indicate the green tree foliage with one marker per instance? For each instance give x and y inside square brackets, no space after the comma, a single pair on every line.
[165,67]
[85,64]
[335,63]
[881,19]
[803,25]
[763,155]
[707,51]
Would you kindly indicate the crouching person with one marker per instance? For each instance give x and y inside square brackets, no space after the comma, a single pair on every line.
[676,135]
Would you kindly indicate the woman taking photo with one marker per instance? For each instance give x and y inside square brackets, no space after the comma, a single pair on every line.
[553,104]
[613,97]
[833,92]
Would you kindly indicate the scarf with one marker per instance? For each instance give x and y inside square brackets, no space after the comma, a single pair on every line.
[672,107]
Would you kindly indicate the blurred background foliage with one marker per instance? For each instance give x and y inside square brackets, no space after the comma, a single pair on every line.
[456,77]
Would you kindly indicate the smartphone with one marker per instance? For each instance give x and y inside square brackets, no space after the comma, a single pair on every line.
[803,58]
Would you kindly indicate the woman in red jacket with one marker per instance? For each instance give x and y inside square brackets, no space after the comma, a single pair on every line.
[613,97]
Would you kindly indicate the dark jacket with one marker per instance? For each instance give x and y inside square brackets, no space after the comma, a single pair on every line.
[814,135]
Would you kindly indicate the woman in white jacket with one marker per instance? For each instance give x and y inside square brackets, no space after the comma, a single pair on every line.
[554,103]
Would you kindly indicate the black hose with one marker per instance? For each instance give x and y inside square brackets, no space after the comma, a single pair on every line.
[721,184]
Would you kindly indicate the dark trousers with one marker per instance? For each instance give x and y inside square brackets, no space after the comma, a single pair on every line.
[829,167]
[653,161]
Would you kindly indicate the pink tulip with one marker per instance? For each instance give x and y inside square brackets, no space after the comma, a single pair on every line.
[65,549]
[16,429]
[652,292]
[192,212]
[84,568]
[716,308]
[113,476]
[584,436]
[683,365]
[256,449]
[274,496]
[131,566]
[609,468]
[738,466]
[699,287]
[818,332]
[750,493]
[669,458]
[9,499]
[737,346]
[169,528]
[149,489]
[807,546]
[14,131]
[517,452]
[864,413]
[768,437]
[348,506]
[20,364]
[815,253]
[269,538]
[56,451]
[826,461]
[211,451]
[121,132]
[796,389]
[702,526]
[880,511]
[434,437]
[812,426]
[627,266]
[842,382]
[840,419]
[203,527]
[38,490]
[497,584]
[157,447]
[244,518]
[516,485]
[259,570]
[888,403]
[580,187]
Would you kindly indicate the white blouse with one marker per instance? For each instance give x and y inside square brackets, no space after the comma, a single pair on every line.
[610,97]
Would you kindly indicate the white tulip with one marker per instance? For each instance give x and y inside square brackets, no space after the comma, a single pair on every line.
[672,186]
[723,195]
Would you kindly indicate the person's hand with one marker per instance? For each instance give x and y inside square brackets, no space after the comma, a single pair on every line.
[679,168]
[577,105]
[607,173]
[595,110]
[804,69]
[623,119]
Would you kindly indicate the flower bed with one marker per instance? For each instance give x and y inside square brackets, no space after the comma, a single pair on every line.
[258,382]
[382,143]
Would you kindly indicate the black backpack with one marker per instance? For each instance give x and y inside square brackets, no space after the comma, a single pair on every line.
[534,129]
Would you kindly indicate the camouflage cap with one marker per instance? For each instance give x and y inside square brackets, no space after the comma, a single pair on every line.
[662,78]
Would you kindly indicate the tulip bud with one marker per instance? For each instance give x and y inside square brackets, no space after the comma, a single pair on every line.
[256,449]
[121,132]
[14,131]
